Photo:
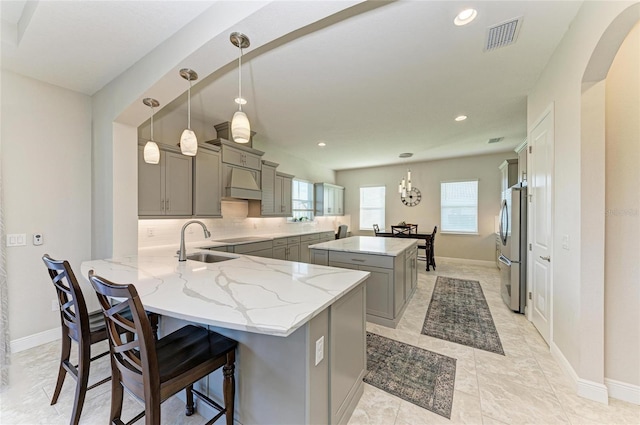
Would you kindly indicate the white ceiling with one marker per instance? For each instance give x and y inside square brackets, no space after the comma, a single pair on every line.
[372,85]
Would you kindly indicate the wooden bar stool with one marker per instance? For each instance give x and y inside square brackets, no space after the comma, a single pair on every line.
[154,370]
[78,325]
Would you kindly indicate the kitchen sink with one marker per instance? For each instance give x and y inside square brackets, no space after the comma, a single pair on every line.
[205,257]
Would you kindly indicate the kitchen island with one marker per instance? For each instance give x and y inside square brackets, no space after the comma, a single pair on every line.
[300,327]
[392,263]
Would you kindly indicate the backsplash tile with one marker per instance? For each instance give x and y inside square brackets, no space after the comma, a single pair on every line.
[159,232]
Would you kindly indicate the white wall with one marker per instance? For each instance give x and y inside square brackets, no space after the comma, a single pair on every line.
[427,176]
[46,165]
[622,270]
[576,292]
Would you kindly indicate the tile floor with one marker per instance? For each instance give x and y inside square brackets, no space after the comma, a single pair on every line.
[524,387]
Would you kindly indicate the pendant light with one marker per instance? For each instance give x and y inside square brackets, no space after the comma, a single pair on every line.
[405,183]
[188,140]
[240,127]
[151,151]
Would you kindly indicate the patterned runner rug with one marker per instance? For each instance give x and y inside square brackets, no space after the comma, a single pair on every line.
[419,376]
[458,312]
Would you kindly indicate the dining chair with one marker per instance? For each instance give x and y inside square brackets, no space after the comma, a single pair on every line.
[77,325]
[154,370]
[431,247]
[342,231]
[376,229]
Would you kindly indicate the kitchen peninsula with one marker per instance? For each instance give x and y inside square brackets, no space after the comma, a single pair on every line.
[392,263]
[300,327]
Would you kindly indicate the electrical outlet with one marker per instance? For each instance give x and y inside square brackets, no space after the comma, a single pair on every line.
[54,305]
[150,232]
[319,350]
[565,242]
[38,239]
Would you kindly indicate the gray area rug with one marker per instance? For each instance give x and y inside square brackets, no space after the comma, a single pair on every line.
[419,376]
[458,312]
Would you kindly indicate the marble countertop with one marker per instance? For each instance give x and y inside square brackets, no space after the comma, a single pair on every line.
[247,293]
[368,245]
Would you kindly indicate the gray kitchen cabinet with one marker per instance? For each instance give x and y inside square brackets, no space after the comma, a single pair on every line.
[268,185]
[329,199]
[386,294]
[258,249]
[327,236]
[283,194]
[348,336]
[207,175]
[411,272]
[276,193]
[521,150]
[287,248]
[165,189]
[305,241]
[508,174]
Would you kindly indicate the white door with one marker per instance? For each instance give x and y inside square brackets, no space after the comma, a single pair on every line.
[541,143]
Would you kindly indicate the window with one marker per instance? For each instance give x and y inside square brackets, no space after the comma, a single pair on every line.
[372,201]
[459,206]
[302,200]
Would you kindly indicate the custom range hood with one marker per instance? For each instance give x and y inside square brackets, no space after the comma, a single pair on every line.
[242,185]
[241,167]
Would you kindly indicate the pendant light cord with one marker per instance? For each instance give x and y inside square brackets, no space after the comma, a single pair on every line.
[152,123]
[240,77]
[189,106]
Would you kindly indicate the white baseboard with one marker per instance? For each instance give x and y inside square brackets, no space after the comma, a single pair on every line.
[623,391]
[34,340]
[468,261]
[584,388]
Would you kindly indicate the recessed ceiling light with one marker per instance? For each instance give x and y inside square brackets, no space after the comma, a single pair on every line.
[461,118]
[322,144]
[465,17]
[240,100]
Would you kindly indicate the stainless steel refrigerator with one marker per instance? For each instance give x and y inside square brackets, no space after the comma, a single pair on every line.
[513,249]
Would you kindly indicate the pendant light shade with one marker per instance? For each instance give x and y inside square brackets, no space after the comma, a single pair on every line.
[188,140]
[188,143]
[240,127]
[151,153]
[151,150]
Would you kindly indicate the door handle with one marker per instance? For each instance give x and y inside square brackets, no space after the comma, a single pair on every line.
[547,258]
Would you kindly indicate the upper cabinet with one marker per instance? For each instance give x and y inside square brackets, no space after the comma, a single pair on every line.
[329,199]
[509,173]
[522,161]
[165,189]
[207,190]
[283,194]
[276,193]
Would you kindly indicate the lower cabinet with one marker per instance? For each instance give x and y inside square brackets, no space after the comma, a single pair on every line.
[391,284]
[305,241]
[287,248]
[258,249]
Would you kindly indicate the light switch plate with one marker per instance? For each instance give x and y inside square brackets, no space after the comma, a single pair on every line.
[319,350]
[16,239]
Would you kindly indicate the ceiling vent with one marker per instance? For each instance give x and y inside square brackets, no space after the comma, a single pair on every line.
[503,34]
[496,139]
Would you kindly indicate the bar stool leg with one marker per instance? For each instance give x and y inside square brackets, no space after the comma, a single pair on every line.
[229,386]
[84,354]
[189,408]
[64,358]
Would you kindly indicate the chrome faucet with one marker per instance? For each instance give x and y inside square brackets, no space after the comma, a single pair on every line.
[182,254]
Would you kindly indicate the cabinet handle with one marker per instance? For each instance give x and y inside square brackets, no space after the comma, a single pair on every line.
[162,205]
[168,208]
[358,260]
